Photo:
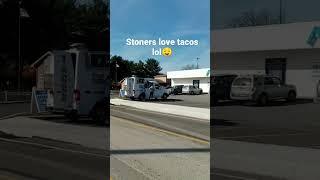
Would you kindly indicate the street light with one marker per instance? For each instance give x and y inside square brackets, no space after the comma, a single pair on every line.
[117,66]
[198,63]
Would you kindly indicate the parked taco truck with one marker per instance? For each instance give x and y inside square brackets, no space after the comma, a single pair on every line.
[142,89]
[76,82]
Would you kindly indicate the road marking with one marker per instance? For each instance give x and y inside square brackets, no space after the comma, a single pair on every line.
[234,177]
[52,147]
[14,115]
[166,132]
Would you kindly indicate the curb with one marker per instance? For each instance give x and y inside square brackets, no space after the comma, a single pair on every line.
[15,115]
[13,102]
[191,112]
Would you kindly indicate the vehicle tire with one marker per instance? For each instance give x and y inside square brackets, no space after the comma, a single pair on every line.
[142,97]
[73,116]
[291,96]
[192,93]
[99,114]
[200,92]
[165,96]
[263,100]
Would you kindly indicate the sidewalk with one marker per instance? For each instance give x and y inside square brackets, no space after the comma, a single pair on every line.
[193,112]
[88,136]
[270,160]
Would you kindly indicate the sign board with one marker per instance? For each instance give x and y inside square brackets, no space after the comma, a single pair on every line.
[39,100]
[313,37]
[316,79]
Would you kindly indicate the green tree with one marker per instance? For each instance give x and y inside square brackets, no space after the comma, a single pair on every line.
[152,67]
[121,68]
[139,69]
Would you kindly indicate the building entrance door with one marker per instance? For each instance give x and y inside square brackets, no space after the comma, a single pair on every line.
[276,67]
[196,83]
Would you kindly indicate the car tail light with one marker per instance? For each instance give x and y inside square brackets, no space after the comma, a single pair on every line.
[76,93]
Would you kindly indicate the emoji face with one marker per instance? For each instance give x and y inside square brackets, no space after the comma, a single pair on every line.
[166,51]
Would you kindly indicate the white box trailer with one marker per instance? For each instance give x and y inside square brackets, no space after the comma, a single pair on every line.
[143,88]
[76,81]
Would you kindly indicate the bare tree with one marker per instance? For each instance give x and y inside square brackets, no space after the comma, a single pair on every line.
[189,67]
[254,18]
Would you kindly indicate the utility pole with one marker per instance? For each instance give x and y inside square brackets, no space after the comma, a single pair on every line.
[282,12]
[19,49]
[117,72]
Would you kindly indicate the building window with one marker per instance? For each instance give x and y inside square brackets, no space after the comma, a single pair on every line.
[196,83]
[276,67]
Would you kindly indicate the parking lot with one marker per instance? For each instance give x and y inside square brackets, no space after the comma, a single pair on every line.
[201,101]
[281,123]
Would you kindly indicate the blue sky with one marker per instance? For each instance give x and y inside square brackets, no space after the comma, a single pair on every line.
[167,19]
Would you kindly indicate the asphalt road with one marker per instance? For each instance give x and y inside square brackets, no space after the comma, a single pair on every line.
[201,101]
[192,127]
[280,123]
[157,153]
[34,159]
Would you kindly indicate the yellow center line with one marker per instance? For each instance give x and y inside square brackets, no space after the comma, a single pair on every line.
[167,132]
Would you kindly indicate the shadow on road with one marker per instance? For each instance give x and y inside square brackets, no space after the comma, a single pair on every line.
[83,121]
[270,103]
[221,122]
[164,100]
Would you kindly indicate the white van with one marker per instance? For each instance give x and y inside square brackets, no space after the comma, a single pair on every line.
[142,89]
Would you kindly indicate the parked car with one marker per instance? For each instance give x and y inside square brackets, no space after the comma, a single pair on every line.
[261,89]
[190,89]
[177,89]
[221,87]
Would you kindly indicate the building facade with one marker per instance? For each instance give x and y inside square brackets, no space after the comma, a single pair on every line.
[197,77]
[278,50]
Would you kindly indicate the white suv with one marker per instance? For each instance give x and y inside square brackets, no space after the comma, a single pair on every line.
[261,88]
[190,89]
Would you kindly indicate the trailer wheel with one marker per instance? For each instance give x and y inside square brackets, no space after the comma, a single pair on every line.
[291,96]
[165,96]
[142,97]
[263,99]
[73,116]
